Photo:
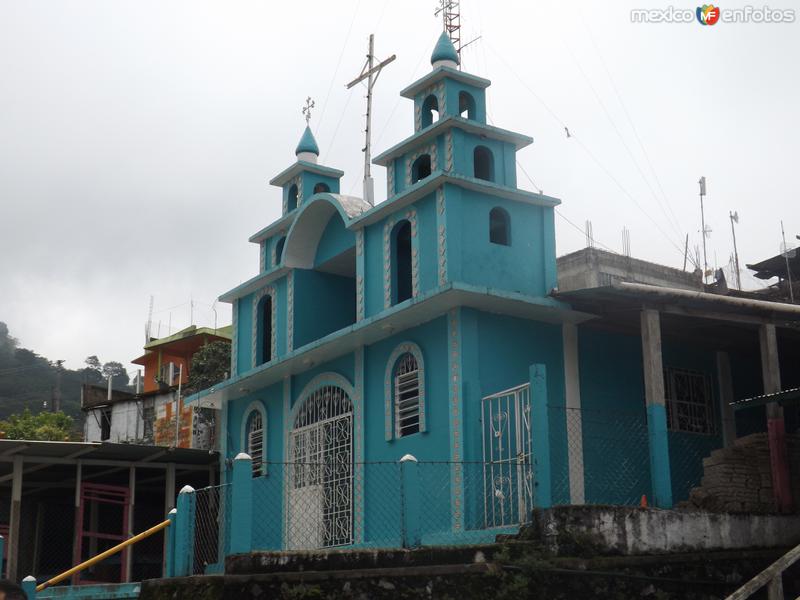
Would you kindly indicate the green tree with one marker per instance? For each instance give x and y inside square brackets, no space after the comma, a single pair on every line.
[43,426]
[210,365]
[117,371]
[92,373]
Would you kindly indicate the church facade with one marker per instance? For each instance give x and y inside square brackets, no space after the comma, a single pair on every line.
[425,326]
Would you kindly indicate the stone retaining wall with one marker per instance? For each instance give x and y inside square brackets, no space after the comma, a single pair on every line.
[738,479]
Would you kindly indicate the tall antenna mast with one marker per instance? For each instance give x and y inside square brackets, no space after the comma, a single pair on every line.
[735,219]
[370,72]
[788,253]
[149,325]
[703,231]
[451,22]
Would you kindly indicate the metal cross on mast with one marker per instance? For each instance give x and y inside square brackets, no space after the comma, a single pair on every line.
[370,72]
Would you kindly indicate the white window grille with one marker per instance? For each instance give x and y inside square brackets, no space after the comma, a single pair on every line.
[406,396]
[321,485]
[690,406]
[255,441]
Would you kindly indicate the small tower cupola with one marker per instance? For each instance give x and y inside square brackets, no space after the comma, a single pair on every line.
[444,54]
[307,149]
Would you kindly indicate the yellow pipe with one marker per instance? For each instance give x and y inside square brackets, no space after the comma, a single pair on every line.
[103,555]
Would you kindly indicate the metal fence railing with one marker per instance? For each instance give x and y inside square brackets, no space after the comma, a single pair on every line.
[211,526]
[302,506]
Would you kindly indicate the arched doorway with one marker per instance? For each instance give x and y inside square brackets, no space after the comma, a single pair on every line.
[321,474]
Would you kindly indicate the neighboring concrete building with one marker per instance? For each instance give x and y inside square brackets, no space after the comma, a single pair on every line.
[148,416]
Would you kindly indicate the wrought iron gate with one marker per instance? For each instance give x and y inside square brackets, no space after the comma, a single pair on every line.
[507,457]
[320,486]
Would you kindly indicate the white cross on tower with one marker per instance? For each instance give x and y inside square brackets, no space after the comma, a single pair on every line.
[307,109]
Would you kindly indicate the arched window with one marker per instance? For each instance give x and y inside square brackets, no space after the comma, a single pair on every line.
[402,288]
[291,204]
[466,105]
[279,250]
[254,440]
[406,395]
[483,163]
[321,187]
[429,107]
[499,227]
[404,392]
[265,322]
[421,168]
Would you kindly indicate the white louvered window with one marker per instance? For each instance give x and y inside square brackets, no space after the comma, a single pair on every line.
[406,396]
[255,441]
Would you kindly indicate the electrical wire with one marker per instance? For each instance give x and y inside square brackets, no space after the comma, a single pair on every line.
[589,153]
[338,64]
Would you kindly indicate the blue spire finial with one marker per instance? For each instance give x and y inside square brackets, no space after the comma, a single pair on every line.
[444,50]
[307,143]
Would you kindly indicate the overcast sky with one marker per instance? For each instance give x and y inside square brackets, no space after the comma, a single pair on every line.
[137,138]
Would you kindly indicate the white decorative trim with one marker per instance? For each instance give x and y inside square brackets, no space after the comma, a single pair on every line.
[235,338]
[456,418]
[259,406]
[448,150]
[410,158]
[327,378]
[441,236]
[360,306]
[267,291]
[411,217]
[390,180]
[390,428]
[299,182]
[290,311]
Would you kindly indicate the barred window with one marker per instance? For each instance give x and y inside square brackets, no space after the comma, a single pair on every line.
[690,405]
[406,395]
[255,441]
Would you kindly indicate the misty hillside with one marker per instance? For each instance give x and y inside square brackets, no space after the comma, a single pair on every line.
[30,381]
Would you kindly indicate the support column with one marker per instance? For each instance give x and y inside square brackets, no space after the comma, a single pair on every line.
[130,524]
[242,504]
[725,398]
[776,427]
[540,425]
[572,390]
[656,409]
[13,522]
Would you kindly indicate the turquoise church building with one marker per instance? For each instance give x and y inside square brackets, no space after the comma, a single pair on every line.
[402,373]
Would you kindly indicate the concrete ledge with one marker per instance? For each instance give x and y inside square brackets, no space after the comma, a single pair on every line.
[331,560]
[628,531]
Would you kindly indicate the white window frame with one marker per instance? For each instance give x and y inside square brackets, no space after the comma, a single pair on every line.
[259,463]
[391,389]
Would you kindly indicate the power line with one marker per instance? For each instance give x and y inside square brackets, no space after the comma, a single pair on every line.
[630,121]
[338,64]
[587,151]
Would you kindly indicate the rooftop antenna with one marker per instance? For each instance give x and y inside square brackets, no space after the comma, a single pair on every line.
[704,231]
[626,242]
[734,216]
[450,10]
[370,72]
[589,235]
[149,325]
[788,252]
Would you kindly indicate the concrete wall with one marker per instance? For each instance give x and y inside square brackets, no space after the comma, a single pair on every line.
[647,531]
[592,267]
